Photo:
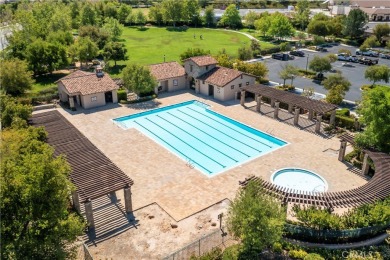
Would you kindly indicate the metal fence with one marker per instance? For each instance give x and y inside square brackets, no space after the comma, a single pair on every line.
[203,245]
[83,252]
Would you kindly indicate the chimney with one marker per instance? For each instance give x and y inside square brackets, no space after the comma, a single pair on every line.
[99,72]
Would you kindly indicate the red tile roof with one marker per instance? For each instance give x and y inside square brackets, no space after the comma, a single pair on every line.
[167,70]
[371,3]
[220,76]
[86,83]
[203,60]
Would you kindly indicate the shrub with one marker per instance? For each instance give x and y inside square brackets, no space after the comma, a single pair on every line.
[44,98]
[270,50]
[50,90]
[122,95]
[277,247]
[231,253]
[317,40]
[346,122]
[24,100]
[297,254]
[313,256]
[214,254]
[343,112]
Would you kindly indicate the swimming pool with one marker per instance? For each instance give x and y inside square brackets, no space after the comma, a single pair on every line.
[206,140]
[300,180]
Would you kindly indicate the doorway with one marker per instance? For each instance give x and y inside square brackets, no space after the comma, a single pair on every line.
[211,90]
[108,96]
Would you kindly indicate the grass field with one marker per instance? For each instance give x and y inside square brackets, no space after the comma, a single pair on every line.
[149,46]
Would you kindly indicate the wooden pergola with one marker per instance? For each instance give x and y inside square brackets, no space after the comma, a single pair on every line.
[377,188]
[293,100]
[93,174]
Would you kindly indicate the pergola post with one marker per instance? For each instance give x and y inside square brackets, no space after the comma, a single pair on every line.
[318,124]
[311,113]
[290,108]
[71,102]
[272,102]
[343,148]
[242,101]
[366,166]
[258,104]
[89,213]
[333,118]
[296,115]
[128,201]
[357,124]
[76,201]
[276,109]
[113,196]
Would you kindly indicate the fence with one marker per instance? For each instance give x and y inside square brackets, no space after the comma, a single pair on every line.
[332,236]
[203,245]
[83,252]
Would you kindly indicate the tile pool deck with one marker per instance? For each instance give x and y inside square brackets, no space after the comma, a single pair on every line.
[161,177]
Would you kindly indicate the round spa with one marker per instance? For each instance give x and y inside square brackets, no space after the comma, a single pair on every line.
[300,180]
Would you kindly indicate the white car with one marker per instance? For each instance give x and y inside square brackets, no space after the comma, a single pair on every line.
[367,53]
[345,57]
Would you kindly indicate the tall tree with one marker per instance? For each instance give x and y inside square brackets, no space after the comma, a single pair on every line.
[192,12]
[15,78]
[256,219]
[115,51]
[209,16]
[123,12]
[355,23]
[113,26]
[85,49]
[110,10]
[378,73]
[250,19]
[320,64]
[264,23]
[156,14]
[138,79]
[319,28]
[301,15]
[35,220]
[231,17]
[337,86]
[381,30]
[374,111]
[280,26]
[88,15]
[99,36]
[172,11]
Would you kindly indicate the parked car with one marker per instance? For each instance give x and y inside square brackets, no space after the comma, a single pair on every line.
[345,57]
[319,48]
[367,53]
[297,53]
[347,64]
[384,55]
[281,56]
[367,61]
[326,45]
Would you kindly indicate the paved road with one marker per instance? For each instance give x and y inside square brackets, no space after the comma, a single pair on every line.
[354,74]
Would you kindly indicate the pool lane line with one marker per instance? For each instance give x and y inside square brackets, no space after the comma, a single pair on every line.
[171,146]
[197,138]
[224,166]
[220,131]
[229,127]
[208,134]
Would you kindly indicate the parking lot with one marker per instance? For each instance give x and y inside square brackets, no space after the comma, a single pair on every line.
[355,73]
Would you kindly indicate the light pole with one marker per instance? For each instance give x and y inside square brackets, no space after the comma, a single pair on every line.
[292,79]
[164,57]
[307,62]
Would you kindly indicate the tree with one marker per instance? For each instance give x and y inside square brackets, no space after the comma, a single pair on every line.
[257,69]
[301,15]
[319,28]
[138,79]
[288,72]
[88,15]
[172,11]
[336,80]
[345,51]
[98,35]
[156,14]
[86,49]
[192,12]
[250,19]
[245,53]
[335,95]
[15,78]
[193,52]
[320,64]
[264,23]
[110,10]
[381,30]
[209,16]
[140,18]
[115,51]
[123,12]
[231,17]
[332,57]
[61,20]
[374,114]
[13,112]
[280,26]
[255,218]
[255,47]
[355,23]
[370,42]
[378,73]
[35,220]
[336,25]
[224,60]
[114,27]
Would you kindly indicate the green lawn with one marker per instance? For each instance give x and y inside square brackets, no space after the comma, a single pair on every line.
[150,45]
[44,82]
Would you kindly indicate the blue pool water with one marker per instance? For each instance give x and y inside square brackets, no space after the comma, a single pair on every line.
[206,140]
[300,180]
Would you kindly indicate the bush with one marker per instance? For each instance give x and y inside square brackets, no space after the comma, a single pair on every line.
[24,100]
[313,256]
[44,98]
[343,112]
[346,122]
[141,99]
[277,247]
[318,40]
[231,253]
[214,254]
[122,95]
[297,254]
[270,50]
[50,90]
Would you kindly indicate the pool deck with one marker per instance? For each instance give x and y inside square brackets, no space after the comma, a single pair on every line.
[163,178]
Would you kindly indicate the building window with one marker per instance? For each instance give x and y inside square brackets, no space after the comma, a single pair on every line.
[93,99]
[232,87]
[175,82]
[239,85]
[202,81]
[247,83]
[191,67]
[218,90]
[207,67]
